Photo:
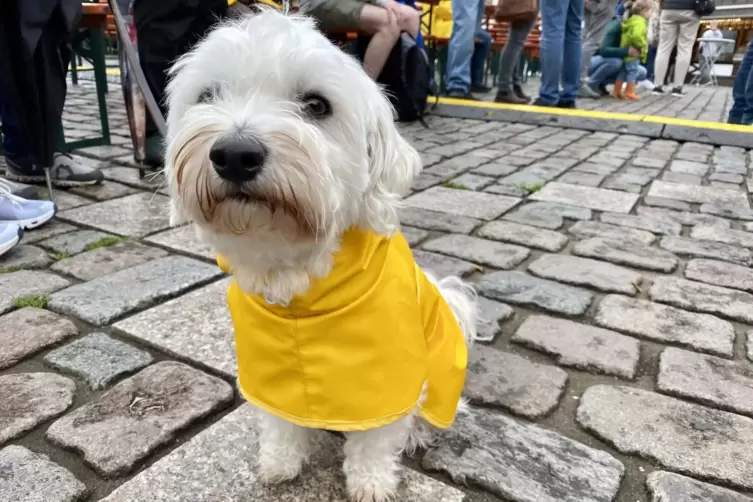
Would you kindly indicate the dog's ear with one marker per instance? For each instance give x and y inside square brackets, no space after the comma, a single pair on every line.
[393,165]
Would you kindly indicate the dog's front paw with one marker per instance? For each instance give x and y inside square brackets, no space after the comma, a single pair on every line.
[372,489]
[273,471]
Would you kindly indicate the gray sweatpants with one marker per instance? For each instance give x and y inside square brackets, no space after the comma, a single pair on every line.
[597,15]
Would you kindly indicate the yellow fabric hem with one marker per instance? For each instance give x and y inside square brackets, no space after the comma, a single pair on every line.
[439,424]
[332,425]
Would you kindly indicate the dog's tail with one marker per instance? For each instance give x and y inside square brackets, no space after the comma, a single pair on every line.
[461,297]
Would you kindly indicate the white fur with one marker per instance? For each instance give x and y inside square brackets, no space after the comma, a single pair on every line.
[321,177]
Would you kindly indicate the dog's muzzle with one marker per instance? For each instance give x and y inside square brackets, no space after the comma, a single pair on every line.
[238,160]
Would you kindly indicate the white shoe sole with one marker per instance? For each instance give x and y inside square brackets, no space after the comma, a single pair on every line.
[7,246]
[31,223]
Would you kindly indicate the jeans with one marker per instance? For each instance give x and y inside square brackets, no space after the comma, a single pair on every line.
[467,16]
[510,59]
[678,30]
[742,91]
[480,53]
[14,144]
[597,15]
[561,22]
[630,71]
[650,63]
[604,71]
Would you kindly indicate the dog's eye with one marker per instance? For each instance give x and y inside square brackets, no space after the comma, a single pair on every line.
[206,96]
[316,106]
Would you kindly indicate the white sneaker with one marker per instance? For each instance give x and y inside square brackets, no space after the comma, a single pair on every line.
[646,84]
[10,234]
[25,213]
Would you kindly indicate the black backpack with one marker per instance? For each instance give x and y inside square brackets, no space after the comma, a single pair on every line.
[406,77]
[704,7]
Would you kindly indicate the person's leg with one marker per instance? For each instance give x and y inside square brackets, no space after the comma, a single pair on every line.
[668,31]
[650,61]
[632,73]
[478,61]
[460,48]
[620,82]
[14,144]
[604,70]
[166,30]
[516,40]
[687,32]
[742,89]
[597,15]
[748,94]
[553,15]
[640,73]
[386,31]
[572,54]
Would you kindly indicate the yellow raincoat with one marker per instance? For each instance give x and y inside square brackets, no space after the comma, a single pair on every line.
[441,21]
[352,353]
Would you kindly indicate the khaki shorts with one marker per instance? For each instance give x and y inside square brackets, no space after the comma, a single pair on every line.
[340,14]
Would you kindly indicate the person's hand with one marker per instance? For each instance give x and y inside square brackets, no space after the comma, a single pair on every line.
[407,17]
[633,52]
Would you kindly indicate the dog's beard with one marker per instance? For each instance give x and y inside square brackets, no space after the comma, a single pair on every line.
[289,198]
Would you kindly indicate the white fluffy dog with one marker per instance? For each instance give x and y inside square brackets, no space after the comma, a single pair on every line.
[279,145]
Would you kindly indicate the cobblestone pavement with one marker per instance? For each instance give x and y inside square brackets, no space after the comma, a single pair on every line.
[710,104]
[617,305]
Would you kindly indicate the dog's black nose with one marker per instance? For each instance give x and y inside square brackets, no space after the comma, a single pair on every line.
[238,159]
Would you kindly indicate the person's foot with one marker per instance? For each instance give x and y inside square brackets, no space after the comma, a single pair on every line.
[603,90]
[480,89]
[630,94]
[538,102]
[65,172]
[509,97]
[25,213]
[677,91]
[20,189]
[658,90]
[646,84]
[588,91]
[461,95]
[566,104]
[154,150]
[10,234]
[518,91]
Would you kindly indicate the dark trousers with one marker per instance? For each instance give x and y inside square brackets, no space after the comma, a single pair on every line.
[167,29]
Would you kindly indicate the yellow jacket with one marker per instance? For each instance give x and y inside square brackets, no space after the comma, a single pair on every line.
[441,21]
[354,352]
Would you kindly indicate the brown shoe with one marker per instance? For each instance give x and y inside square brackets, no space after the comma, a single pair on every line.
[509,97]
[617,92]
[630,93]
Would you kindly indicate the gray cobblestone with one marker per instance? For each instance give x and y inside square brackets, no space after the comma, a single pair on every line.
[626,252]
[31,477]
[522,289]
[525,235]
[705,249]
[586,272]
[587,229]
[701,297]
[670,487]
[485,252]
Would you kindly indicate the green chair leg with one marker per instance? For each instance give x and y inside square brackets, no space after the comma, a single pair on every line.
[496,60]
[74,71]
[97,44]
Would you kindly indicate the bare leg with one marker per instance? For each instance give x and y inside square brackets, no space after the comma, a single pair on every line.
[386,31]
[283,448]
[372,461]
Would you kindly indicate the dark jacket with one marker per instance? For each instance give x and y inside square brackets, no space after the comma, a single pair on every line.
[610,44]
[677,4]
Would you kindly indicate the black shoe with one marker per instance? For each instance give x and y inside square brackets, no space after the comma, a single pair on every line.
[603,90]
[510,97]
[677,91]
[518,91]
[461,95]
[658,91]
[480,89]
[566,104]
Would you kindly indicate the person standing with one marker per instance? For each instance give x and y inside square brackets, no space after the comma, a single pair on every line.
[34,56]
[742,91]
[678,27]
[561,30]
[597,16]
[509,85]
[467,16]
